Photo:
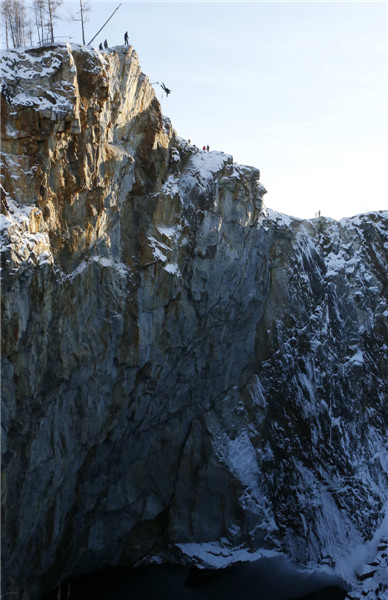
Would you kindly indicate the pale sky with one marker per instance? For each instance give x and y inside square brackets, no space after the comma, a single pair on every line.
[297,89]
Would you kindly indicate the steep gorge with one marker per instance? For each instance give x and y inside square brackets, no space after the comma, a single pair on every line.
[186,375]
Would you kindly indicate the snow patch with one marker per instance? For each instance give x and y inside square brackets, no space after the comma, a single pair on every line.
[169,232]
[105,262]
[204,165]
[172,268]
[216,555]
[278,219]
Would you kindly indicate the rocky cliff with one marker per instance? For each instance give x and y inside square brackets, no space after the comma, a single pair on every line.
[187,376]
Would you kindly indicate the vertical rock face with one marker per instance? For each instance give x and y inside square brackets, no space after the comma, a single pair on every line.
[184,372]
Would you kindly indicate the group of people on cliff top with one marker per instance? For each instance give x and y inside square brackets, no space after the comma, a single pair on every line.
[126,42]
[205,148]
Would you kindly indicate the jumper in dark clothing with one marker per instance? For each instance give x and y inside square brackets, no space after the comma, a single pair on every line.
[165,89]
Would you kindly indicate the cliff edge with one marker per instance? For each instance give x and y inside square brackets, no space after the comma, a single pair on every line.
[186,375]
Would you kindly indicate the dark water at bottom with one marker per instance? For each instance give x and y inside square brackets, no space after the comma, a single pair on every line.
[265,579]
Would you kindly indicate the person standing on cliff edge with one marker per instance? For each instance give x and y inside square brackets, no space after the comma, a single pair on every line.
[126,42]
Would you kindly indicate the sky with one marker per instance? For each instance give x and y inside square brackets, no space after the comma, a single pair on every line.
[296,89]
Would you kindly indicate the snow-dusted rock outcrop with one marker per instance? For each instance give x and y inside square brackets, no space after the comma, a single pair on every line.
[186,376]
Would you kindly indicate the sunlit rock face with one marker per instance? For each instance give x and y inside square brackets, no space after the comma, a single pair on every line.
[186,375]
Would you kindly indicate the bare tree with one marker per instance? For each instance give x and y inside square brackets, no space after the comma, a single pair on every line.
[39,18]
[20,23]
[5,11]
[29,31]
[84,9]
[51,8]
[15,22]
[82,16]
